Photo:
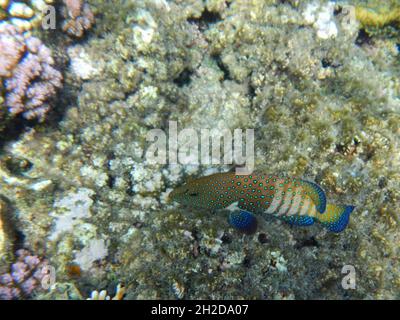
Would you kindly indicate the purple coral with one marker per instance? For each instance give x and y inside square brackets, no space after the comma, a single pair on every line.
[79,17]
[26,67]
[25,276]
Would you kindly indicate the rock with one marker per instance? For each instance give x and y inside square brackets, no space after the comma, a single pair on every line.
[6,236]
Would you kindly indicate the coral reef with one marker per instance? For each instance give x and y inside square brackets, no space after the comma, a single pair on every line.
[25,15]
[30,80]
[323,106]
[26,276]
[79,17]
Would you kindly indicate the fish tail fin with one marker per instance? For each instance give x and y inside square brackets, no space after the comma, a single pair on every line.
[336,217]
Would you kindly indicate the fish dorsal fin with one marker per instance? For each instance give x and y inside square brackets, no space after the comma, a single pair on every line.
[316,194]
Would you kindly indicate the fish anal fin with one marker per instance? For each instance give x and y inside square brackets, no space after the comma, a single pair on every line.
[298,220]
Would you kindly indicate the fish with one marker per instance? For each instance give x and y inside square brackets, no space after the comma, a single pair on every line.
[295,201]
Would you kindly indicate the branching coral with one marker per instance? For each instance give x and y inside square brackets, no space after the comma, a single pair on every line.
[26,67]
[25,276]
[79,17]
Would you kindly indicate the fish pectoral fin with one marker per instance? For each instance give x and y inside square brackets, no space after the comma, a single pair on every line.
[316,194]
[298,220]
[243,221]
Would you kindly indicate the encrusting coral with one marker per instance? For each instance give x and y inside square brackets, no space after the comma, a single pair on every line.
[370,18]
[379,19]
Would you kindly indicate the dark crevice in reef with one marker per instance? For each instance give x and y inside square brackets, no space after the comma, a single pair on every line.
[263,238]
[13,130]
[220,64]
[363,38]
[340,148]
[247,262]
[325,63]
[309,242]
[226,238]
[382,183]
[338,10]
[287,2]
[251,92]
[17,166]
[206,18]
[19,240]
[111,177]
[111,181]
[129,189]
[184,78]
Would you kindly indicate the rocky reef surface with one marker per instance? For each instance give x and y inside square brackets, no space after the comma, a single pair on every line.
[321,91]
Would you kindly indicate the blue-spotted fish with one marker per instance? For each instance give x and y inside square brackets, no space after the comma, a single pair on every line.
[295,201]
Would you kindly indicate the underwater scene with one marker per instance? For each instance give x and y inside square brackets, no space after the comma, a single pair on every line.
[199,149]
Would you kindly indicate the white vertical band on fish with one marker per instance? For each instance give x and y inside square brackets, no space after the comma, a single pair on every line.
[276,201]
[286,203]
[294,207]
